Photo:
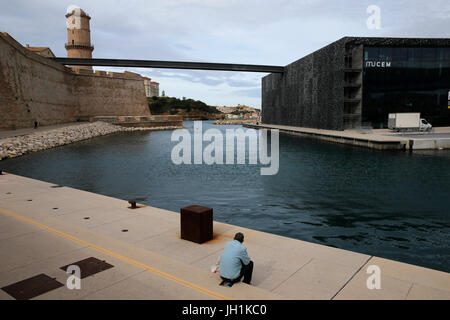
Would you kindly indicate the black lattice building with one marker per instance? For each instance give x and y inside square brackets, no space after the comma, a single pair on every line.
[358,81]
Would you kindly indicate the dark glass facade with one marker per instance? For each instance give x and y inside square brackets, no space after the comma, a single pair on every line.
[406,80]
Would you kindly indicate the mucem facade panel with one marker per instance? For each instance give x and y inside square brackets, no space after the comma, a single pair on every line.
[309,92]
[406,80]
[356,82]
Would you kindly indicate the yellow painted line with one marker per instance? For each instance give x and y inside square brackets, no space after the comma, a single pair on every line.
[118,256]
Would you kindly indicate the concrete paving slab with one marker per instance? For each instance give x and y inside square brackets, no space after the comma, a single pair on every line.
[330,254]
[170,244]
[165,214]
[420,292]
[46,197]
[147,286]
[398,281]
[11,260]
[32,247]
[316,280]
[9,229]
[92,198]
[302,248]
[413,274]
[270,267]
[21,180]
[12,192]
[13,188]
[138,228]
[5,296]
[44,202]
[391,288]
[94,217]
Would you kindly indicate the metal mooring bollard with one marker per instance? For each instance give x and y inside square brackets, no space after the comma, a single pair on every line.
[196,223]
[133,204]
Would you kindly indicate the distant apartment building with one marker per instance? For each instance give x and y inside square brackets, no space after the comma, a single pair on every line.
[147,82]
[151,87]
[154,89]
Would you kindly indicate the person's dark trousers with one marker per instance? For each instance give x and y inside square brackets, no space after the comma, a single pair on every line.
[246,272]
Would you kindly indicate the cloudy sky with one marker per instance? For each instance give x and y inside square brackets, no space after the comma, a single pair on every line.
[269,32]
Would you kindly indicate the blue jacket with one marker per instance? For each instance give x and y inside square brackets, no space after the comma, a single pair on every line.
[230,260]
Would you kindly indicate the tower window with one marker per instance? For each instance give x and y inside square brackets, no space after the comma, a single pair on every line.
[72,42]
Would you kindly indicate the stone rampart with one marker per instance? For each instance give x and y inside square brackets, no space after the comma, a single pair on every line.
[34,88]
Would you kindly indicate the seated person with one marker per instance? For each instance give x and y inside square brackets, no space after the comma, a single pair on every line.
[235,262]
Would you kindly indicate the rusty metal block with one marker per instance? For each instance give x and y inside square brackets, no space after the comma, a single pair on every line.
[196,223]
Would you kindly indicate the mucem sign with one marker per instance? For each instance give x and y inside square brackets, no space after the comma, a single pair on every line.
[378,64]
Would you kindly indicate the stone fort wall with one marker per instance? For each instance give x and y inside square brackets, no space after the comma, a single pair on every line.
[35,88]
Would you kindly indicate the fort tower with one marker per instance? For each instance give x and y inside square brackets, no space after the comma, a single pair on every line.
[78,36]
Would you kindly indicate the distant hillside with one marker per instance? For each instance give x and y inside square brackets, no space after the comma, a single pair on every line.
[188,108]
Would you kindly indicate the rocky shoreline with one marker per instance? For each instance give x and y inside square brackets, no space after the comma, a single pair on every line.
[18,145]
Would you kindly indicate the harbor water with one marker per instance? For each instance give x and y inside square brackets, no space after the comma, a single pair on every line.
[391,204]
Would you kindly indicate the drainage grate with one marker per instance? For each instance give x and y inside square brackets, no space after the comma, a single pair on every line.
[90,266]
[32,287]
[56,186]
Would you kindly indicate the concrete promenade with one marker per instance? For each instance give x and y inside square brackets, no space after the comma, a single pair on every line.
[382,139]
[44,227]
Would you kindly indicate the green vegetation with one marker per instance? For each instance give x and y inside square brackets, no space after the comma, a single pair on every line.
[169,105]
